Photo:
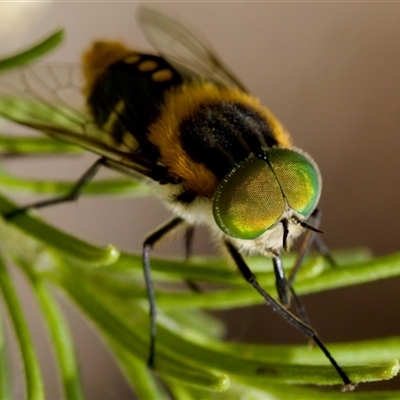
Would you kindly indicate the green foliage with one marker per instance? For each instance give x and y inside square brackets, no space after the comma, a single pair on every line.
[32,53]
[192,358]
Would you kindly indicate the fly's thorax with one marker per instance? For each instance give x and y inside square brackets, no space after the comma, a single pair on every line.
[203,130]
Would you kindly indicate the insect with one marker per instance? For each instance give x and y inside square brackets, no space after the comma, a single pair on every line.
[181,122]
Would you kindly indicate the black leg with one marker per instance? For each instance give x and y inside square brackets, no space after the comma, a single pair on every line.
[285,313]
[281,284]
[311,238]
[148,244]
[71,196]
[322,248]
[286,292]
[308,240]
[188,241]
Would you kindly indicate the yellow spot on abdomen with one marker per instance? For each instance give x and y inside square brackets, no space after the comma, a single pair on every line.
[162,75]
[147,65]
[132,58]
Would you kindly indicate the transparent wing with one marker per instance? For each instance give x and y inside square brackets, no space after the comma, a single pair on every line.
[48,98]
[191,55]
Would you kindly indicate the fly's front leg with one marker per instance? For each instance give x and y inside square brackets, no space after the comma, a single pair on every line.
[285,286]
[281,283]
[285,313]
[311,238]
[72,195]
[323,249]
[308,240]
[148,245]
[285,290]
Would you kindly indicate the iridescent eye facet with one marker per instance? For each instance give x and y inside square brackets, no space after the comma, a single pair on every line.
[255,194]
[298,177]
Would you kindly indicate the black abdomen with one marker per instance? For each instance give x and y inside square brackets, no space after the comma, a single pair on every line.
[127,97]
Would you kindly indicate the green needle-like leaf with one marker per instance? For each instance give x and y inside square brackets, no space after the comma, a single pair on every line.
[27,56]
[138,375]
[281,392]
[5,376]
[60,337]
[116,320]
[59,240]
[32,372]
[116,187]
[34,146]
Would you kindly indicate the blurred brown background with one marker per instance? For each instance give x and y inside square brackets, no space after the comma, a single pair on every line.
[331,73]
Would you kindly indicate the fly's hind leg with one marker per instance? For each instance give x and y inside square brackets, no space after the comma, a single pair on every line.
[72,195]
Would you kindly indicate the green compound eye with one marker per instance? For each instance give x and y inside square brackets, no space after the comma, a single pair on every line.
[253,196]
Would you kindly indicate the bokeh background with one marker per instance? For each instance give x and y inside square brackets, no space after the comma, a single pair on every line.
[330,72]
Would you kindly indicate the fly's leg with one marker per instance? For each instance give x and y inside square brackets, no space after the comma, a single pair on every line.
[322,249]
[148,245]
[285,290]
[311,238]
[286,314]
[281,284]
[70,196]
[308,240]
[188,241]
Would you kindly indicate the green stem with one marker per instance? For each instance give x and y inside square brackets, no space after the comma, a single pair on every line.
[60,338]
[5,376]
[33,52]
[32,372]
[67,244]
